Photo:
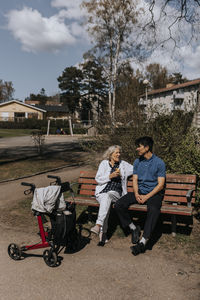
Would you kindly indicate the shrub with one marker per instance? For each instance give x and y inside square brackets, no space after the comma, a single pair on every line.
[187,154]
[174,140]
[34,124]
[79,130]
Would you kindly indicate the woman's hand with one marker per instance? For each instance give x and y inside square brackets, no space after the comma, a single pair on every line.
[115,174]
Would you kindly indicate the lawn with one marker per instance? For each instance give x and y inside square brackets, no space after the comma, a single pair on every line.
[30,166]
[14,132]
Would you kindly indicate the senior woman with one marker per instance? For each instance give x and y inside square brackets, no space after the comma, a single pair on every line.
[111,180]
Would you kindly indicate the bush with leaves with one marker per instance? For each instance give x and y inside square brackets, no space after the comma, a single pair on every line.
[174,140]
[187,154]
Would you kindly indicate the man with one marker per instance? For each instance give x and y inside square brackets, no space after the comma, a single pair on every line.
[148,184]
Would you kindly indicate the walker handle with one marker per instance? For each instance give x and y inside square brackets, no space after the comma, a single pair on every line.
[32,187]
[58,179]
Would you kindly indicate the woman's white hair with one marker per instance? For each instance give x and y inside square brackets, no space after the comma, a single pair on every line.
[110,150]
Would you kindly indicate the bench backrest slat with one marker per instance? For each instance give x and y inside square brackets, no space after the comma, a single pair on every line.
[87,192]
[88,187]
[181,178]
[180,186]
[181,199]
[87,180]
[91,174]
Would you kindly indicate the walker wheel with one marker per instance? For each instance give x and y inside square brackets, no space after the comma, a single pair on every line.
[14,251]
[50,258]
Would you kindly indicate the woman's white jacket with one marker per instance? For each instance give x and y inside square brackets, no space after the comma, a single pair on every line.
[102,176]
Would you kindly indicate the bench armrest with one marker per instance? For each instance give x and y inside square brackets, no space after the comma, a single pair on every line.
[189,197]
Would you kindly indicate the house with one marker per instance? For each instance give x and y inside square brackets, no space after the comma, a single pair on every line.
[55,111]
[15,110]
[184,96]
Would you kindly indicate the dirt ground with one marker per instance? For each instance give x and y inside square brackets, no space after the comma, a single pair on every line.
[110,272]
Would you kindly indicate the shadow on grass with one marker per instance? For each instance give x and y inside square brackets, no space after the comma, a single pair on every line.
[163,226]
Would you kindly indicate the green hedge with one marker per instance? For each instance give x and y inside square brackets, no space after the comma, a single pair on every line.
[34,124]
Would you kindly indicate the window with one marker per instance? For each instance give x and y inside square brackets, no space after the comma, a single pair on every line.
[4,116]
[32,115]
[19,116]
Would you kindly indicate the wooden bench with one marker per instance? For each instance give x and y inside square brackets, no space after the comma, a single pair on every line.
[179,197]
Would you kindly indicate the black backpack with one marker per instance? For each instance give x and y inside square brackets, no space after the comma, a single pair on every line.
[64,232]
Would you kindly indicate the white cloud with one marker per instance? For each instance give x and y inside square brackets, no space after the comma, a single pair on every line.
[72,8]
[191,59]
[37,33]
[180,53]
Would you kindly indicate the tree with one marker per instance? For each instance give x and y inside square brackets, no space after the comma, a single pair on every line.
[41,97]
[94,87]
[6,90]
[157,75]
[54,99]
[70,83]
[177,78]
[94,81]
[129,87]
[111,23]
[178,14]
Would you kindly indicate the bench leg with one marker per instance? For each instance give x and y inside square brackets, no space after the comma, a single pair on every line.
[173,219]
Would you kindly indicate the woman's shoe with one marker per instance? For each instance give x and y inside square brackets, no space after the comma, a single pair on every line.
[95,229]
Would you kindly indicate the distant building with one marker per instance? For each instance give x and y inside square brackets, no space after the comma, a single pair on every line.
[54,101]
[55,111]
[32,102]
[15,110]
[184,96]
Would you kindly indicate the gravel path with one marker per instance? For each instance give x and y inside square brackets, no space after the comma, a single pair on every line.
[95,273]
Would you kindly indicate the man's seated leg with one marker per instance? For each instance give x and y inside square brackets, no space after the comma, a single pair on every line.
[153,212]
[121,207]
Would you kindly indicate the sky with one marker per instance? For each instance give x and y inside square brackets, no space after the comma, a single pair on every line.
[40,38]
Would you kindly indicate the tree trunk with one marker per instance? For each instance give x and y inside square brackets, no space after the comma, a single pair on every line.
[115,78]
[110,78]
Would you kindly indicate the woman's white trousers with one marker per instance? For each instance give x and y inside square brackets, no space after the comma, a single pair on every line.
[105,200]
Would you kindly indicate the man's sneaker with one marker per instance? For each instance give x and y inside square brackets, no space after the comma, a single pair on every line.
[102,239]
[135,235]
[137,249]
[95,229]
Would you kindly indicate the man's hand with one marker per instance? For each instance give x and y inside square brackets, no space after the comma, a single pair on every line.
[137,197]
[141,199]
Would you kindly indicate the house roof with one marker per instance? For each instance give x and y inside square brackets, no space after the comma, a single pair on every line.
[53,108]
[23,104]
[174,87]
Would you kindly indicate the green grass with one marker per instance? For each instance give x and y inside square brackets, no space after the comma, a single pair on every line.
[14,132]
[29,167]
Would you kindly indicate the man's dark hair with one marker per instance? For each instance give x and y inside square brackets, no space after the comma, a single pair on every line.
[145,141]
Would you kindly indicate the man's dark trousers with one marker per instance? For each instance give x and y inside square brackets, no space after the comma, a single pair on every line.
[153,210]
